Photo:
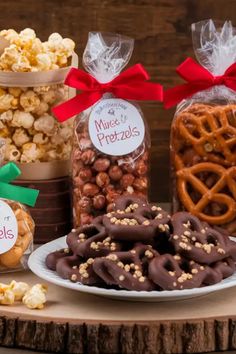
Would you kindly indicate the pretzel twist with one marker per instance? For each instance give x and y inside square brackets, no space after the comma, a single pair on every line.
[199,242]
[91,240]
[210,131]
[208,195]
[128,269]
[176,273]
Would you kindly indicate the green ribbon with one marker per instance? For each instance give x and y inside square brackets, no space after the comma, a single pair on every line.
[8,173]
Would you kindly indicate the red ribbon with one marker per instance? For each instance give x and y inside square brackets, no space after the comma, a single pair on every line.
[198,79]
[131,84]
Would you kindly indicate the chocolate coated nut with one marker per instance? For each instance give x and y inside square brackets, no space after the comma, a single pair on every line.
[141,168]
[78,181]
[102,179]
[99,201]
[88,157]
[127,180]
[85,174]
[140,184]
[101,164]
[115,173]
[85,204]
[90,189]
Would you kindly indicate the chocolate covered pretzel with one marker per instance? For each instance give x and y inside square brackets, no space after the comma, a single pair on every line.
[52,258]
[76,269]
[136,222]
[175,272]
[199,242]
[127,270]
[91,240]
[129,249]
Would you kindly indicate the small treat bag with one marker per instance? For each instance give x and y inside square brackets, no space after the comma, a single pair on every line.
[16,223]
[203,132]
[31,83]
[111,139]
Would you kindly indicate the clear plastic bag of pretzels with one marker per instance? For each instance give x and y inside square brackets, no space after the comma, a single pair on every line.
[203,134]
[111,139]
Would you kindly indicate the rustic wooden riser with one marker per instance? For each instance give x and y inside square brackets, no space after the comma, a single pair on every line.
[74,322]
[52,212]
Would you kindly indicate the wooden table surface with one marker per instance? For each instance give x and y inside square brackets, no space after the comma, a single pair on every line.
[74,322]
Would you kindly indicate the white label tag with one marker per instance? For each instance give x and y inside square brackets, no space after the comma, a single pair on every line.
[116,127]
[8,227]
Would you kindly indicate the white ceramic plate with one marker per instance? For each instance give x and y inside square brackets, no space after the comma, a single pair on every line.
[37,265]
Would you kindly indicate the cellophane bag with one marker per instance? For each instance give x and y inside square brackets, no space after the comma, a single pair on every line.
[203,135]
[31,83]
[16,231]
[111,139]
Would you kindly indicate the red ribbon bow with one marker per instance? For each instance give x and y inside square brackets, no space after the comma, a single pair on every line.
[131,84]
[198,79]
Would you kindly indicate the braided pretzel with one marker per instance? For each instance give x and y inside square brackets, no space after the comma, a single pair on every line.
[77,270]
[128,269]
[201,244]
[174,272]
[208,195]
[91,240]
[210,131]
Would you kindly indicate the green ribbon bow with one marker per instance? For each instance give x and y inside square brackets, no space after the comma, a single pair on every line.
[8,173]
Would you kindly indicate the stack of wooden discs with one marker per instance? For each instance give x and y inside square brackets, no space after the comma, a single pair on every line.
[52,212]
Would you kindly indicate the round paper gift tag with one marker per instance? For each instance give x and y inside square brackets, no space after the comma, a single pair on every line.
[116,127]
[8,227]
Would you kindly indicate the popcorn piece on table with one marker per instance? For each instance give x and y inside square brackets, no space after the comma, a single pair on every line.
[35,298]
[7,296]
[19,289]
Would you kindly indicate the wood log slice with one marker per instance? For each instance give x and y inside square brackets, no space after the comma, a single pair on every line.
[74,322]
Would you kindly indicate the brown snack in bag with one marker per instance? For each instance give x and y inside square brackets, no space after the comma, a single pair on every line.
[203,132]
[14,257]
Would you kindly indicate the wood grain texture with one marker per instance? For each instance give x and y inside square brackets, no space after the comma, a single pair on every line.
[175,337]
[162,32]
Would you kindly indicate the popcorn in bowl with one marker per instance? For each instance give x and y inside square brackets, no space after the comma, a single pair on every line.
[25,108]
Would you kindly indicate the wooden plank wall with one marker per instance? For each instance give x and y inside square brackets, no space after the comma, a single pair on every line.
[162,32]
